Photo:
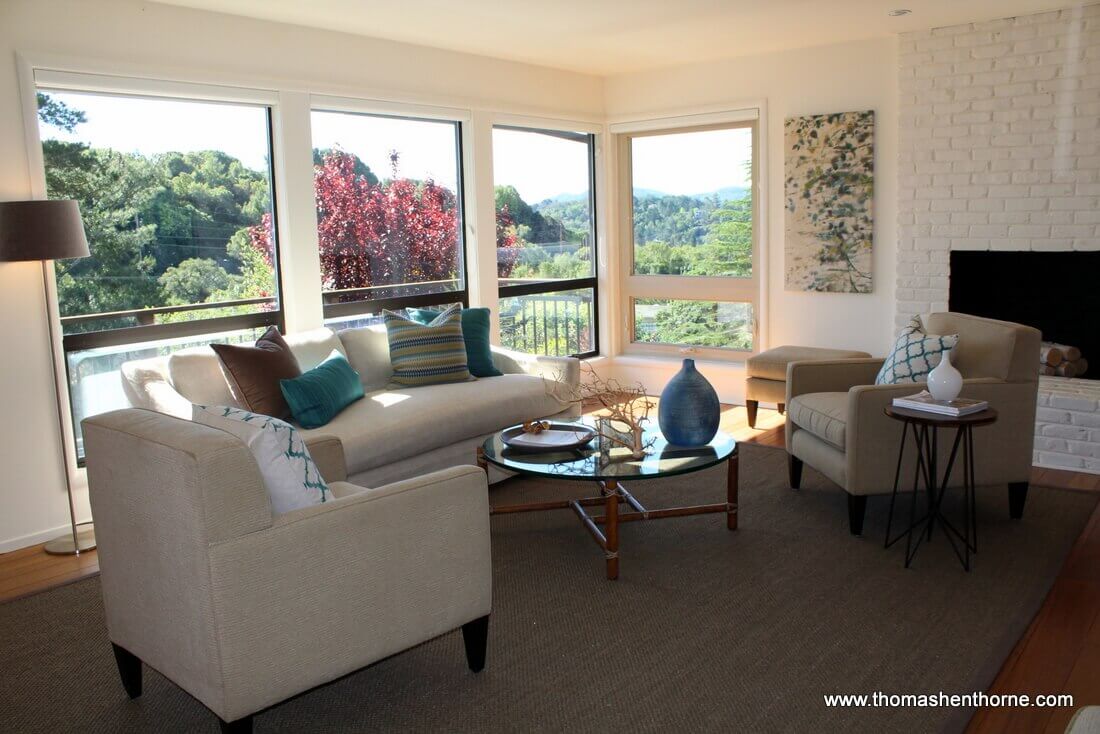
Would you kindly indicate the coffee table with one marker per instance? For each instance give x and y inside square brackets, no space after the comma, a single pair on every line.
[609,470]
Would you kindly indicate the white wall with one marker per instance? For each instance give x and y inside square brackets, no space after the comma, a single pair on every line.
[836,78]
[1000,144]
[146,39]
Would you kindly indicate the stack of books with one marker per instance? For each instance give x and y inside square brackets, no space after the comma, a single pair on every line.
[924,401]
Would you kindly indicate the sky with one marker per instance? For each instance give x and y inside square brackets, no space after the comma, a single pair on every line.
[539,166]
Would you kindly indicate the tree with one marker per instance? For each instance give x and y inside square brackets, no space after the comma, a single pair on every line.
[361,168]
[194,280]
[58,114]
[397,232]
[507,242]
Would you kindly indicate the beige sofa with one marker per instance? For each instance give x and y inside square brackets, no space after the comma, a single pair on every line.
[242,608]
[391,434]
[836,424]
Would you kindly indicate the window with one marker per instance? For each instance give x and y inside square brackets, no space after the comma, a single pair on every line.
[692,275]
[389,213]
[546,253]
[176,197]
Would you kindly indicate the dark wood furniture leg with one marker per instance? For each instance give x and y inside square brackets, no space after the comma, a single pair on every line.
[481,462]
[794,471]
[731,492]
[781,408]
[857,508]
[129,670]
[750,408]
[1017,496]
[475,635]
[611,518]
[240,726]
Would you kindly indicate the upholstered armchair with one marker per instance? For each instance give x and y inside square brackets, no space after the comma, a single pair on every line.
[244,609]
[836,423]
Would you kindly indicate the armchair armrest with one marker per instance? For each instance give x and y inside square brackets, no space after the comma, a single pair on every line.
[834,375]
[566,370]
[331,588]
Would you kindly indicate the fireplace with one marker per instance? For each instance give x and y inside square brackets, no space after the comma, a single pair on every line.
[1056,292]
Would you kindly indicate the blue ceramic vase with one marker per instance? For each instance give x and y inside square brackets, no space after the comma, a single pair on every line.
[688,412]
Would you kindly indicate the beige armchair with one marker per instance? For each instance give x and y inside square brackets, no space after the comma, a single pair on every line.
[242,608]
[836,424]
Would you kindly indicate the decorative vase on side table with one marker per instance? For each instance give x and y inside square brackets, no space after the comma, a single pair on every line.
[689,411]
[944,381]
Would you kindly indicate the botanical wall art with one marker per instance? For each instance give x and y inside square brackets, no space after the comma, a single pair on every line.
[829,182]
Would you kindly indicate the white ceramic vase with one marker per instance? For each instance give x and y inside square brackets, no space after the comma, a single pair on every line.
[944,381]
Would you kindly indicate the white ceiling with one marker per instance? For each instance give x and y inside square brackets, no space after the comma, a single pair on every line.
[605,37]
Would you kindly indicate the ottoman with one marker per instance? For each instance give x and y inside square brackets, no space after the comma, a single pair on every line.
[767,373]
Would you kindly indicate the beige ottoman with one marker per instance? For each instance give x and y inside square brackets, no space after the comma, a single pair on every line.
[767,373]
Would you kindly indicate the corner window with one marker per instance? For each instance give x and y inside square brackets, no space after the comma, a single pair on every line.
[389,213]
[546,244]
[692,277]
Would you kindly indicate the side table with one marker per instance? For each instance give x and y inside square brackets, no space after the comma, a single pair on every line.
[925,429]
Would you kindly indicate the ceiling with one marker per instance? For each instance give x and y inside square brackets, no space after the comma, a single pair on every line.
[606,37]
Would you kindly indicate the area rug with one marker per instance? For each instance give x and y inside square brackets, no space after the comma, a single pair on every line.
[706,629]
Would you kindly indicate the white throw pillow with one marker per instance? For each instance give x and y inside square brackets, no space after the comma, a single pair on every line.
[914,355]
[289,474]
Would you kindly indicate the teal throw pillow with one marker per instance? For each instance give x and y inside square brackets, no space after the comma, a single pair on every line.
[914,355]
[475,332]
[317,396]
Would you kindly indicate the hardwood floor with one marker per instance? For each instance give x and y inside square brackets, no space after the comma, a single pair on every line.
[1059,653]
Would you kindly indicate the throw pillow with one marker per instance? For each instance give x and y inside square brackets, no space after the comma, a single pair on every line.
[427,354]
[318,395]
[475,332]
[914,355]
[290,476]
[254,372]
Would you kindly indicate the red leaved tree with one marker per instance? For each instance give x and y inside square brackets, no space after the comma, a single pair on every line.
[507,242]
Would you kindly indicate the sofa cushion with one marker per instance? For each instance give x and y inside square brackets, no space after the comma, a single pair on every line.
[196,374]
[772,364]
[824,414]
[313,347]
[427,354]
[318,395]
[254,372]
[368,351]
[475,332]
[391,425]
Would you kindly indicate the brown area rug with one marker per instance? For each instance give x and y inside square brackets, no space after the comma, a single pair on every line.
[706,629]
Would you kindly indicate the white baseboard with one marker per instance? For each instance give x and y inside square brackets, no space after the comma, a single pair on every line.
[11,544]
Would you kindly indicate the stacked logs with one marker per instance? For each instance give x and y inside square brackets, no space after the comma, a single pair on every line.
[1061,360]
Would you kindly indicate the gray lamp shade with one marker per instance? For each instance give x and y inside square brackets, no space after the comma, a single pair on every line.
[41,230]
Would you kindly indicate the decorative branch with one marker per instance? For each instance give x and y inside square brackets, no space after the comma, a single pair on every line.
[629,405]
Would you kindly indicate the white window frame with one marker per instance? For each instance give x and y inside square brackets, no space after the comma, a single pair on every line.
[688,287]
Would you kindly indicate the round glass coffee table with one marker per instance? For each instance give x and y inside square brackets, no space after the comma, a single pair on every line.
[609,470]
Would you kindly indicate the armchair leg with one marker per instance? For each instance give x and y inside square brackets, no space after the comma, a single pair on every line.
[1017,496]
[476,636]
[794,470]
[129,670]
[240,726]
[781,408]
[857,508]
[750,408]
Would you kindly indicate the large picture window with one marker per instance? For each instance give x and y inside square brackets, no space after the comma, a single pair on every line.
[693,271]
[176,198]
[546,251]
[389,213]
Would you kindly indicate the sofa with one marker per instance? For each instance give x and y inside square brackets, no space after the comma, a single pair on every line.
[243,608]
[391,434]
[836,421]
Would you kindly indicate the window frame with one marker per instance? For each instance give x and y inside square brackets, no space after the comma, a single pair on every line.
[721,289]
[567,284]
[416,113]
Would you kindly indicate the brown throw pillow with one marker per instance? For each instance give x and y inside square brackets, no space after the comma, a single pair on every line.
[254,372]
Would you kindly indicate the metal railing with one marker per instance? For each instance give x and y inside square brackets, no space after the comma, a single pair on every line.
[552,324]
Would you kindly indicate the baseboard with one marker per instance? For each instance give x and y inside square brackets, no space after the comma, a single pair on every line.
[12,544]
[1071,469]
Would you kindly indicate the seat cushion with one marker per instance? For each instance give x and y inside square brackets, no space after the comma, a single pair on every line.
[772,364]
[824,414]
[254,372]
[391,425]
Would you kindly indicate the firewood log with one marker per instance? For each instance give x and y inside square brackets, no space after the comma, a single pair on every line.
[1066,369]
[1082,366]
[1045,369]
[1051,355]
[1070,354]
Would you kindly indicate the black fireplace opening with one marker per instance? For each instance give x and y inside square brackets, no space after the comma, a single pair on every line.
[1056,292]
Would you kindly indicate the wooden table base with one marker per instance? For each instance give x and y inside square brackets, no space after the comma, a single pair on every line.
[604,528]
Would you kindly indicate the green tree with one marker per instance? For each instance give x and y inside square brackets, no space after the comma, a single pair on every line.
[194,280]
[57,113]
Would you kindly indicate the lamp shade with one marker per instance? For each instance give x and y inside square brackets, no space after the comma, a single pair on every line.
[41,230]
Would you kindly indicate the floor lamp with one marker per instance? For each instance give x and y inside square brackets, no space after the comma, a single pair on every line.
[45,231]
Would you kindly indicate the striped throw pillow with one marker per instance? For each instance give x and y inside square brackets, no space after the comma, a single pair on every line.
[426,355]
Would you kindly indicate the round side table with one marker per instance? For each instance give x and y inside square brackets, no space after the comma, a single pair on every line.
[925,430]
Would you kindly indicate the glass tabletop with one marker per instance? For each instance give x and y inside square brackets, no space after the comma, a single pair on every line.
[590,463]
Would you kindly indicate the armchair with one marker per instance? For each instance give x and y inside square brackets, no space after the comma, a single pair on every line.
[242,608]
[835,419]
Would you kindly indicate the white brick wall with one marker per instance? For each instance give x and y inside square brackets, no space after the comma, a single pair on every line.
[999,144]
[1067,424]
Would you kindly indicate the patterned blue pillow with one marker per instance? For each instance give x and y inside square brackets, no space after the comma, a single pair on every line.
[914,355]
